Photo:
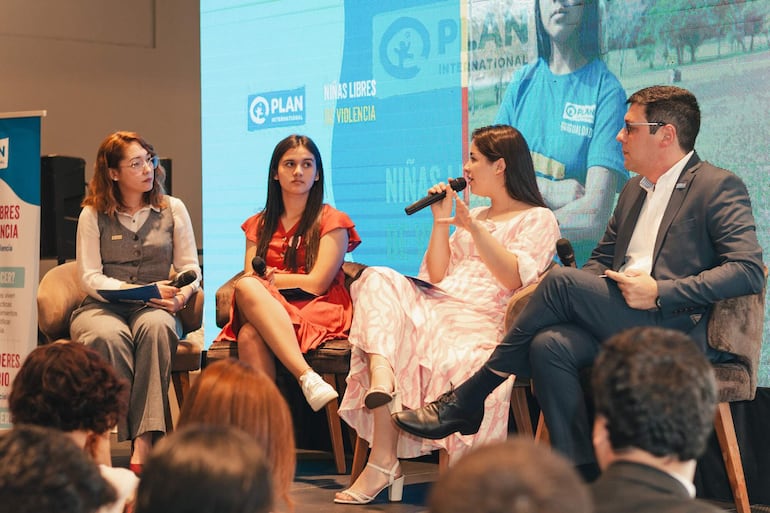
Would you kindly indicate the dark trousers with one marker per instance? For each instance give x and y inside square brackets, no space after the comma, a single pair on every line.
[558,333]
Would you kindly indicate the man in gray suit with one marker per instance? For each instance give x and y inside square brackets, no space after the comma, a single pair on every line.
[655,398]
[682,237]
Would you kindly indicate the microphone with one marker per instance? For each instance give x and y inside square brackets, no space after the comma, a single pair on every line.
[259,266]
[565,252]
[456,184]
[184,278]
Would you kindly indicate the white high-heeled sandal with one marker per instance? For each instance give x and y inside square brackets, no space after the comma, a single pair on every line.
[395,486]
[378,395]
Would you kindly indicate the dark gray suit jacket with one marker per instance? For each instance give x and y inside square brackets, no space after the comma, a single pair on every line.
[626,487]
[706,248]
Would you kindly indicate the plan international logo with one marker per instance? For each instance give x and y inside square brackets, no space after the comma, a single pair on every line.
[276,109]
[4,148]
[414,48]
[579,113]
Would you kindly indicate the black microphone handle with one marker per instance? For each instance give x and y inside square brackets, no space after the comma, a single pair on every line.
[424,202]
[566,253]
[568,260]
[184,278]
[457,184]
[259,265]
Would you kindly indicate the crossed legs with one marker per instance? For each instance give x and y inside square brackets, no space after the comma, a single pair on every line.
[557,356]
[267,331]
[556,335]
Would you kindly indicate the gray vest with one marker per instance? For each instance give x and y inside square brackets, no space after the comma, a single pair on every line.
[141,257]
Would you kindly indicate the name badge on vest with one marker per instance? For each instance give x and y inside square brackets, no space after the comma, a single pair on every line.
[680,185]
[116,237]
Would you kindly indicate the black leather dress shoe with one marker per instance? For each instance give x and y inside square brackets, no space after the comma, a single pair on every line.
[439,419]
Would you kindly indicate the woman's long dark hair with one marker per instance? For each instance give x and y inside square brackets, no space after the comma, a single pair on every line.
[507,143]
[308,229]
[588,32]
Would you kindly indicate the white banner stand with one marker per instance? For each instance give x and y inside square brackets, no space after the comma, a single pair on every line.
[19,244]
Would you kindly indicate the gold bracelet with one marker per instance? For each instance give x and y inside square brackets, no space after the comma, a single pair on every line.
[184,300]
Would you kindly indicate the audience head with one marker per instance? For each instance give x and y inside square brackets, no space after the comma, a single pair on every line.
[230,392]
[505,142]
[514,476]
[587,31]
[674,106]
[42,469]
[68,387]
[205,469]
[654,390]
[307,227]
[103,189]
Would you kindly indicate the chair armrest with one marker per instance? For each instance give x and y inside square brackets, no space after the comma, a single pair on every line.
[58,295]
[352,271]
[520,299]
[192,315]
[735,326]
[223,300]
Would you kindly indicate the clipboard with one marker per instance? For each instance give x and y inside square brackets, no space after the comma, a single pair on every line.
[297,294]
[133,295]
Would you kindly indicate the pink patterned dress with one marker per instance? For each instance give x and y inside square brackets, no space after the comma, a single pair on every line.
[434,337]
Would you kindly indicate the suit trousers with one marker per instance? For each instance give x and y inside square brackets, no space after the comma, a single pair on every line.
[559,333]
[139,342]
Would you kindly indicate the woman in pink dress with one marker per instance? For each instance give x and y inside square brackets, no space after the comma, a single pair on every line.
[411,340]
[302,243]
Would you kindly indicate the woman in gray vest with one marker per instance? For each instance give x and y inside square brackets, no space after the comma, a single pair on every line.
[131,233]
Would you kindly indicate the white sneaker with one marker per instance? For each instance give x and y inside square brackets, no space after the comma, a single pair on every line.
[317,391]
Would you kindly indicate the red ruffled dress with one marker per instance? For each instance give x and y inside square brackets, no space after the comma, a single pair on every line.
[321,318]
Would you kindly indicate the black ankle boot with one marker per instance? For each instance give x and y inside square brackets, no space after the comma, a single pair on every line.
[440,418]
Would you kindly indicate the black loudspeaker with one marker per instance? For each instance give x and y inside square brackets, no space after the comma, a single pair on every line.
[166,163]
[62,188]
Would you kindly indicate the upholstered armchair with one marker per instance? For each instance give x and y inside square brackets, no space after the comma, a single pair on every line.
[735,326]
[59,294]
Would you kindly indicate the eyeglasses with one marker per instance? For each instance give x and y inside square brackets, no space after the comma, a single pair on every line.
[138,164]
[654,126]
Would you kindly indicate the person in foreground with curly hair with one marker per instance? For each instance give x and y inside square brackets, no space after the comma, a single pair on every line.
[655,397]
[71,388]
[513,476]
[42,470]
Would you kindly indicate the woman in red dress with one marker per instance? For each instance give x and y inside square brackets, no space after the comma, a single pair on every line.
[303,243]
